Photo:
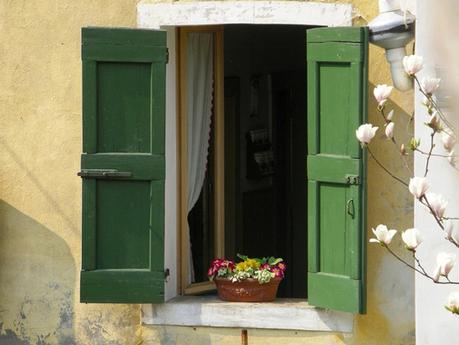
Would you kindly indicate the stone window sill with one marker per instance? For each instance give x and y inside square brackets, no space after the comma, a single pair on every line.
[209,311]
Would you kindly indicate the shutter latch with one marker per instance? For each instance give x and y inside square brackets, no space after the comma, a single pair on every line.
[352,179]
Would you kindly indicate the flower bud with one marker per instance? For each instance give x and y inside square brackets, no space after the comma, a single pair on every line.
[389,131]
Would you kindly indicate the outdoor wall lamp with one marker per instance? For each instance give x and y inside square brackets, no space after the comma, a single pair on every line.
[392,30]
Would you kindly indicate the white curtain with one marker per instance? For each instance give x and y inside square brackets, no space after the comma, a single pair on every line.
[199,110]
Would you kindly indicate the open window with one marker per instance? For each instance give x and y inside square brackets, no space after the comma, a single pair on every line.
[282,172]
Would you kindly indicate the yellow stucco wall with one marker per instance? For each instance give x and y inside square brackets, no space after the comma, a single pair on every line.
[40,196]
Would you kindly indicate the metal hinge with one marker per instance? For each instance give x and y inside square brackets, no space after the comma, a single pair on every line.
[167,55]
[167,273]
[352,179]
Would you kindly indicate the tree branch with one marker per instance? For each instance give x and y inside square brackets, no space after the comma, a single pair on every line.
[385,169]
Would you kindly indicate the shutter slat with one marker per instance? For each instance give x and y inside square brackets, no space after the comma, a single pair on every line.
[337,88]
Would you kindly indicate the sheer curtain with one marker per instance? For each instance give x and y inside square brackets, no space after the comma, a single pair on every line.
[199,111]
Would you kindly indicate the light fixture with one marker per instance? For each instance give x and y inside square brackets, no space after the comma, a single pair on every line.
[392,30]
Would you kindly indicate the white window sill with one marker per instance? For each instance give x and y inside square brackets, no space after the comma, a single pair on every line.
[292,314]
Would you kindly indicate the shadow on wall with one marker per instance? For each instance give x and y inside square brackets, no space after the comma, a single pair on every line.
[37,275]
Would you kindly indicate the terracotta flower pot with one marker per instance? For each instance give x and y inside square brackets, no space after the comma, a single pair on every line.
[248,290]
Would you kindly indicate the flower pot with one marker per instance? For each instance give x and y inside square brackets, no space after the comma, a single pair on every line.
[248,290]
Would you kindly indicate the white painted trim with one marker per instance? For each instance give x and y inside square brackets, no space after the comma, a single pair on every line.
[154,15]
[282,314]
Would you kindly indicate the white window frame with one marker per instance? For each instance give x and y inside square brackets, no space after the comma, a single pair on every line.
[201,311]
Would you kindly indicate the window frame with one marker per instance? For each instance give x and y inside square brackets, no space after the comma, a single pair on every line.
[184,287]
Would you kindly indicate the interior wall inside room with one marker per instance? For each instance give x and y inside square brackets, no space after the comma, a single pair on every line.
[267,66]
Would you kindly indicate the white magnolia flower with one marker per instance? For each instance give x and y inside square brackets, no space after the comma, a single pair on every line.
[430,85]
[433,121]
[381,93]
[445,263]
[412,238]
[383,235]
[450,232]
[389,131]
[437,203]
[448,140]
[390,115]
[365,133]
[412,64]
[418,186]
[453,302]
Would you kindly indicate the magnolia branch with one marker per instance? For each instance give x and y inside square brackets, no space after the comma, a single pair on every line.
[385,169]
[419,270]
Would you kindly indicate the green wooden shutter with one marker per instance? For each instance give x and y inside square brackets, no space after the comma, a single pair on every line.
[337,105]
[122,165]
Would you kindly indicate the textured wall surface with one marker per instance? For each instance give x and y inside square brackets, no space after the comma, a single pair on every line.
[40,196]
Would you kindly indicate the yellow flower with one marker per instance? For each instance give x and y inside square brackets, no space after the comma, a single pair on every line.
[252,263]
[241,266]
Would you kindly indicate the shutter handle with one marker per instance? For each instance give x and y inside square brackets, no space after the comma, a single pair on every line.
[350,208]
[104,173]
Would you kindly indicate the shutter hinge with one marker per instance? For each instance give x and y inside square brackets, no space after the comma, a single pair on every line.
[167,273]
[167,55]
[352,179]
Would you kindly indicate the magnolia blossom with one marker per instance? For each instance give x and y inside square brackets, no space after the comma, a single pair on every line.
[451,234]
[389,131]
[412,238]
[390,115]
[412,64]
[418,186]
[402,150]
[365,133]
[453,302]
[383,235]
[437,204]
[430,85]
[445,263]
[448,140]
[381,93]
[434,121]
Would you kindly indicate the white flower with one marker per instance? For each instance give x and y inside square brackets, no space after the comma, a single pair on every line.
[389,131]
[418,186]
[412,64]
[390,115]
[383,235]
[453,302]
[445,263]
[451,234]
[430,85]
[381,93]
[365,133]
[412,238]
[452,158]
[437,204]
[448,140]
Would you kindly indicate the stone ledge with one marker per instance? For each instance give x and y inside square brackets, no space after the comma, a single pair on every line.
[291,314]
[155,14]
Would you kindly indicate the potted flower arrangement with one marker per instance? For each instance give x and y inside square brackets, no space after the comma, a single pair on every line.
[251,280]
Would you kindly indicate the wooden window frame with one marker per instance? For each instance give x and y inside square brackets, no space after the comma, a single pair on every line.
[184,287]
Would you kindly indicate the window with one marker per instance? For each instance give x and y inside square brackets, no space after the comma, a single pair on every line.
[123,166]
